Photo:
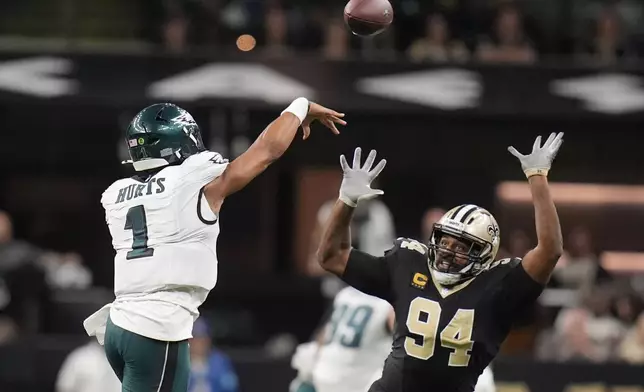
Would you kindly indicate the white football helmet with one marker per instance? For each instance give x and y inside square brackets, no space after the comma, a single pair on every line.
[473,226]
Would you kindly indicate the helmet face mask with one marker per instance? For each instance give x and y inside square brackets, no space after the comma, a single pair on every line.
[161,135]
[451,254]
[462,244]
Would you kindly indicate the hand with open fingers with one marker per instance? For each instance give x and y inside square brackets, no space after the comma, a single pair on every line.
[538,162]
[356,182]
[326,116]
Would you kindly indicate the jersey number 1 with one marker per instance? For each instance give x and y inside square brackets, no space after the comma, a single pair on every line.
[422,320]
[137,222]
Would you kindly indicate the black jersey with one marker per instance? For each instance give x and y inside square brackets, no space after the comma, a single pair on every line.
[444,337]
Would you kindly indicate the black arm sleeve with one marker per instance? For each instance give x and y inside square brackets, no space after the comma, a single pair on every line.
[370,274]
[518,290]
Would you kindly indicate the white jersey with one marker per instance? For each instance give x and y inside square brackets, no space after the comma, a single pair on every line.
[165,238]
[486,382]
[357,342]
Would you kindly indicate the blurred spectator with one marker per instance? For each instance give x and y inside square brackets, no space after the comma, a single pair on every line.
[175,28]
[281,345]
[518,245]
[437,44]
[8,330]
[508,43]
[432,215]
[589,332]
[14,253]
[607,42]
[579,267]
[207,27]
[627,308]
[24,279]
[211,370]
[86,369]
[336,40]
[66,271]
[276,25]
[631,349]
[190,23]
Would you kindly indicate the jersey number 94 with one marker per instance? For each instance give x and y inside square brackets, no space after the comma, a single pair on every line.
[422,320]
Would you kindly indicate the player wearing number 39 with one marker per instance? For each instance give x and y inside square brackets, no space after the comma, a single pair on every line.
[164,223]
[454,303]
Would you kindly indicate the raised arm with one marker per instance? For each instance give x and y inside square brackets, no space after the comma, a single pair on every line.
[370,274]
[271,144]
[540,261]
[335,244]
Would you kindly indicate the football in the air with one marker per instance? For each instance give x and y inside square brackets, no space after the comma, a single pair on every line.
[367,18]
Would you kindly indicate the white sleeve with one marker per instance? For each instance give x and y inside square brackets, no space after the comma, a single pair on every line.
[203,168]
[485,382]
[68,374]
[304,359]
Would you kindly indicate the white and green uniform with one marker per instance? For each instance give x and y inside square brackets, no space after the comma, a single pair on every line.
[357,342]
[165,237]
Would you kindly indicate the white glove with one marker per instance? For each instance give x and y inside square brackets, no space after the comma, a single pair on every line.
[539,161]
[356,183]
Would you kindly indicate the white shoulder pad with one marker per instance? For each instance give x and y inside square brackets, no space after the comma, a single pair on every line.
[203,167]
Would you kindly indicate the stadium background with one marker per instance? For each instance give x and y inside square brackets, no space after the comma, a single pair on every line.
[73,73]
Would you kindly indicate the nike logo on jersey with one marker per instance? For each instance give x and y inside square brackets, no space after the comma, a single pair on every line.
[155,185]
[217,158]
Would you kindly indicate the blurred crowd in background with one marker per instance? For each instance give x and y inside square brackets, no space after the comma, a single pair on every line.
[508,31]
[602,321]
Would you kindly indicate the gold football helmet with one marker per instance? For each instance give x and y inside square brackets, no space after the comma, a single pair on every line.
[463,243]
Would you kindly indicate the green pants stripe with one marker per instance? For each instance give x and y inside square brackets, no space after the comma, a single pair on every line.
[147,365]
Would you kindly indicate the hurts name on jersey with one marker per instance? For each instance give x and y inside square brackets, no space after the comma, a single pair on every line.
[154,185]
